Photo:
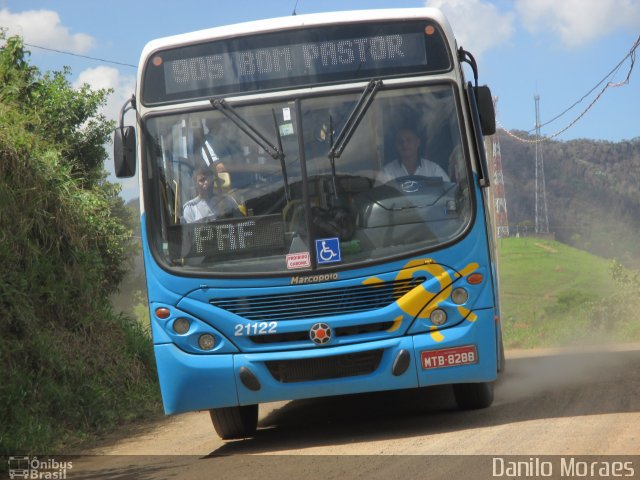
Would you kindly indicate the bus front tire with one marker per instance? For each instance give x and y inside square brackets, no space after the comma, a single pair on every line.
[473,396]
[235,422]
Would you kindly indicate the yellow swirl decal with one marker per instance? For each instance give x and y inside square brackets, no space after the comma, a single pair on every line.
[396,324]
[435,334]
[420,302]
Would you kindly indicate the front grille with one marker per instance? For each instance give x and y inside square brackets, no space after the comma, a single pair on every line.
[318,303]
[280,337]
[337,366]
[360,329]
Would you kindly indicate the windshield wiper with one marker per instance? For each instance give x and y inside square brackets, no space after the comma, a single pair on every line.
[275,152]
[354,119]
[350,126]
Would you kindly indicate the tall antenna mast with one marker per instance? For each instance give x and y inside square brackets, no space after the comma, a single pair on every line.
[500,198]
[542,219]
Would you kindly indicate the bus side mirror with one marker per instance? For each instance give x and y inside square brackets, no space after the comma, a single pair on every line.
[124,152]
[486,111]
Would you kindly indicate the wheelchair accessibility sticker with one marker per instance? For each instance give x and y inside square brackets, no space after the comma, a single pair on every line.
[328,250]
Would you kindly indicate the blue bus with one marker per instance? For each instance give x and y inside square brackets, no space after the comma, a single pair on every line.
[315,212]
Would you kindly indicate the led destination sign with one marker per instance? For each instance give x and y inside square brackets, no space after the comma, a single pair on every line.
[255,66]
[294,58]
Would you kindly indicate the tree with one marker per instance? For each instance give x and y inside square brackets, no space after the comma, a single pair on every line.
[70,364]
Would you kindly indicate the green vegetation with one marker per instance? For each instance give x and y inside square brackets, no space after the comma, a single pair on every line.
[556,295]
[131,298]
[553,294]
[71,365]
[592,193]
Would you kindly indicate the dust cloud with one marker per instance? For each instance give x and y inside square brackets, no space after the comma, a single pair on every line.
[536,372]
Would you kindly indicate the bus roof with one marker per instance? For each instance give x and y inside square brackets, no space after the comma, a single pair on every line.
[296,21]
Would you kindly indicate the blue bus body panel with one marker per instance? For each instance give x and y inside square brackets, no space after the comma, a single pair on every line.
[481,333]
[192,379]
[194,382]
[200,382]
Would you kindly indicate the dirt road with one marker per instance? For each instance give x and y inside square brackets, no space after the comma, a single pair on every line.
[563,403]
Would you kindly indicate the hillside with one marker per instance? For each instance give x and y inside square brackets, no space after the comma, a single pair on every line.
[553,294]
[593,193]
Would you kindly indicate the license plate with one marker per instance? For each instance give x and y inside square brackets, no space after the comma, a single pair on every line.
[449,357]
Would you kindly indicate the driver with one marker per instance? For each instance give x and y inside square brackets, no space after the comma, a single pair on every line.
[208,204]
[409,162]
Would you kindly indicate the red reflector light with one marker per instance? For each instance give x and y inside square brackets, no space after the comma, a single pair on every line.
[163,313]
[475,278]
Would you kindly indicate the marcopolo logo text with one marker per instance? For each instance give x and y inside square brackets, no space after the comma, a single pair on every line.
[314,279]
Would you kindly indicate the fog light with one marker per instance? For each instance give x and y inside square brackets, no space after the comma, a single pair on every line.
[438,317]
[459,296]
[181,326]
[206,341]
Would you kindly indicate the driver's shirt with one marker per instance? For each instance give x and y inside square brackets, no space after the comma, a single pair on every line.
[213,207]
[396,169]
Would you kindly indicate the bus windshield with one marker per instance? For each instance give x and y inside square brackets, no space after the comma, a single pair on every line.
[220,202]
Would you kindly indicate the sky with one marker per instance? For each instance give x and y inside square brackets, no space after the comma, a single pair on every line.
[558,49]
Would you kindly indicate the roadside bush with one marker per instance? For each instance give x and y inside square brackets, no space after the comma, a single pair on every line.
[72,367]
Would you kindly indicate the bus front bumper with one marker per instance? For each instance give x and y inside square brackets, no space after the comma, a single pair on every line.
[200,382]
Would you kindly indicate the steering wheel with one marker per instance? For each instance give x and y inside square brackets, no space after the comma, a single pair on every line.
[413,184]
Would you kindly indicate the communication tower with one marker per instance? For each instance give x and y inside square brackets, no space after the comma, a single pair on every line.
[499,197]
[542,218]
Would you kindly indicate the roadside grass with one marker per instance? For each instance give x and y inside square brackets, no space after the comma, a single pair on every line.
[556,295]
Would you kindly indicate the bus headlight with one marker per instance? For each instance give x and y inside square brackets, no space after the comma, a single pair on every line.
[438,317]
[181,326]
[206,341]
[459,296]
